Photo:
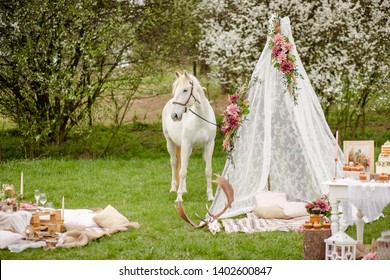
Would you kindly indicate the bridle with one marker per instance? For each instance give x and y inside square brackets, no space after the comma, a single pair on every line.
[189,97]
[196,100]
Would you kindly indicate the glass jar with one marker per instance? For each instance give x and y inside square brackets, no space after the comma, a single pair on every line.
[383,246]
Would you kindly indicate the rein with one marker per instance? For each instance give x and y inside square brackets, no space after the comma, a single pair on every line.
[199,116]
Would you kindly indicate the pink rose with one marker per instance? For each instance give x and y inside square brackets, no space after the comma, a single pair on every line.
[286,66]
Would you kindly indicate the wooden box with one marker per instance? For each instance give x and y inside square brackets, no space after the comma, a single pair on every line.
[314,244]
[53,225]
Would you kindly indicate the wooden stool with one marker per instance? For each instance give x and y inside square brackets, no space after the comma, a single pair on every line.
[314,244]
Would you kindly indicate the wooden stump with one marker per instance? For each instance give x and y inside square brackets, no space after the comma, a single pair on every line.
[314,244]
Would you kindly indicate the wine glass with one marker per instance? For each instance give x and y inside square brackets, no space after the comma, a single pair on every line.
[43,199]
[37,194]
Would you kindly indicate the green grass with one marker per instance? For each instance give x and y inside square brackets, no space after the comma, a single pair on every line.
[139,189]
[135,179]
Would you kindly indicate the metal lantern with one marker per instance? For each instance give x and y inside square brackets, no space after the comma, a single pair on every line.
[340,247]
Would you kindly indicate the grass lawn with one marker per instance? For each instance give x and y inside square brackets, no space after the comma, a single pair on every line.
[139,189]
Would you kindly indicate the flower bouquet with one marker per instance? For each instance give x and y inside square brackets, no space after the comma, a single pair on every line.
[234,115]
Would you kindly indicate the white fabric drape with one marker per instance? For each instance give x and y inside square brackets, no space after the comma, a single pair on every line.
[293,144]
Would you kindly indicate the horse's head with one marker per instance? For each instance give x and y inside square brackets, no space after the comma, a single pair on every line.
[184,95]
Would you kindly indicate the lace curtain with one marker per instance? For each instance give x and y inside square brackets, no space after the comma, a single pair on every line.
[291,144]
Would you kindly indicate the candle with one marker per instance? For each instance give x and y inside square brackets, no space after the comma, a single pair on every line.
[336,146]
[21,184]
[63,208]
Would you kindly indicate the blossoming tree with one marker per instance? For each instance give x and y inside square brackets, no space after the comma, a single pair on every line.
[341,43]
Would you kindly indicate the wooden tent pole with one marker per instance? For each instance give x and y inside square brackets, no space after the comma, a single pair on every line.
[269,184]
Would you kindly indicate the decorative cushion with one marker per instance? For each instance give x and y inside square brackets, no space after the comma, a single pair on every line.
[80,222]
[8,237]
[265,199]
[270,212]
[294,209]
[110,217]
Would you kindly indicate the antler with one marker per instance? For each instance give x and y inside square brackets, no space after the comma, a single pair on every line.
[180,209]
[229,192]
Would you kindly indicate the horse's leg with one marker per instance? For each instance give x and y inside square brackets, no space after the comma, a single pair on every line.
[171,147]
[185,154]
[208,156]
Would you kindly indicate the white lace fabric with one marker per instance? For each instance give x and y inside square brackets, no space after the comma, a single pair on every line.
[292,144]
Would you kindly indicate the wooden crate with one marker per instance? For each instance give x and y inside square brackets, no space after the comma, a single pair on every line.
[53,225]
[314,244]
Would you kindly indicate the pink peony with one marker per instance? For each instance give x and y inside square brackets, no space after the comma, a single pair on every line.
[276,50]
[287,46]
[278,39]
[233,121]
[286,66]
[232,109]
[282,57]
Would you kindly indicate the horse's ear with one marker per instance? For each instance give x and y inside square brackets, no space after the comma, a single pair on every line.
[187,75]
[177,74]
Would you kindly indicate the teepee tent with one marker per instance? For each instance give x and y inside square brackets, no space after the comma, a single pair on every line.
[286,146]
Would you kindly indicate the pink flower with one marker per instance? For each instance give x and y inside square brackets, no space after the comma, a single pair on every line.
[232,109]
[233,121]
[233,98]
[286,66]
[278,39]
[287,46]
[276,50]
[281,57]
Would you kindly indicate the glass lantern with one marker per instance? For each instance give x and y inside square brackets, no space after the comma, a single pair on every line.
[340,247]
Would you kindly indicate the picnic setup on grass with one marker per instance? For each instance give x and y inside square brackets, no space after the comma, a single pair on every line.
[285,170]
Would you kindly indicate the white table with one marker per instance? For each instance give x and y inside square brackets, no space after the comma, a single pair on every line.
[369,198]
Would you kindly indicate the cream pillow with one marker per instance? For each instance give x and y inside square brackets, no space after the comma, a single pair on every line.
[8,237]
[270,212]
[294,209]
[265,199]
[110,217]
[81,222]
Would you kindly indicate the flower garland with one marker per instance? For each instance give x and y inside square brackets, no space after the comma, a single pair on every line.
[283,59]
[234,115]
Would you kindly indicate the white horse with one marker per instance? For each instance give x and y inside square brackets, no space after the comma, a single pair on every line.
[188,122]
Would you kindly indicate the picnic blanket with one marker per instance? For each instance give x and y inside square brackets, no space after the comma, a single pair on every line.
[82,226]
[252,223]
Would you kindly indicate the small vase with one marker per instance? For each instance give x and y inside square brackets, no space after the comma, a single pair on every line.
[316,218]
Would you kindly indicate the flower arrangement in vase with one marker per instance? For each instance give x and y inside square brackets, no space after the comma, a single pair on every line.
[320,206]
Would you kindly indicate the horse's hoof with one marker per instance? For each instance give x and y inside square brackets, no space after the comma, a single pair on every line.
[210,197]
[179,199]
[172,190]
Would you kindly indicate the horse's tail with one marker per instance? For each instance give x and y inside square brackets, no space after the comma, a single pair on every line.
[178,165]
